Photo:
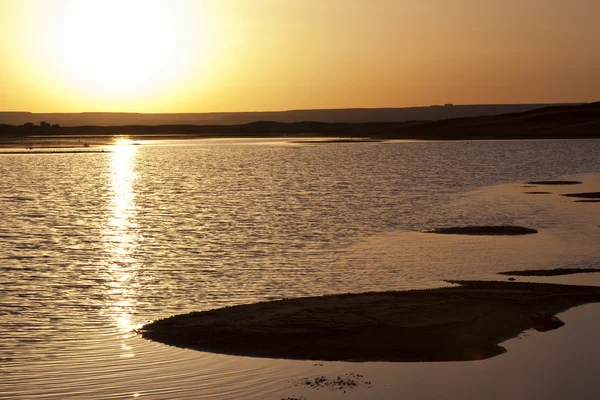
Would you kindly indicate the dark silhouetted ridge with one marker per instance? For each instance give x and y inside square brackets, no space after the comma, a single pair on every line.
[555,122]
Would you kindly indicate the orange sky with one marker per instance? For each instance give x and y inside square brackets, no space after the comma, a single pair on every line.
[256,55]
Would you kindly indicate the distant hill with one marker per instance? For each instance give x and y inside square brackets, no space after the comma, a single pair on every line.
[355,115]
[580,121]
[554,122]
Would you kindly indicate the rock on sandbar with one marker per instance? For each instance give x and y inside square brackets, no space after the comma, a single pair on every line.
[465,322]
[485,230]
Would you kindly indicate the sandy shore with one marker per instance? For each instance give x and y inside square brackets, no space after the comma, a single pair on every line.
[459,323]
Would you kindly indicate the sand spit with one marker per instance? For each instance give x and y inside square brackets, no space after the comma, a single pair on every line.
[459,323]
[554,183]
[30,152]
[484,230]
[325,141]
[588,195]
[550,272]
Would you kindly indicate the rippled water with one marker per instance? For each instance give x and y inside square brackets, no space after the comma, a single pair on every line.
[92,245]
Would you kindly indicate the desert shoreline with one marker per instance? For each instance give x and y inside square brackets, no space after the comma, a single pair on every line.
[96,143]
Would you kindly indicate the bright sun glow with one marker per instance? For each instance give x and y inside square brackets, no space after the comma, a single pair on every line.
[123,142]
[117,47]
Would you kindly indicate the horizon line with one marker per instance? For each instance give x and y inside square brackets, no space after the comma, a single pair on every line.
[300,109]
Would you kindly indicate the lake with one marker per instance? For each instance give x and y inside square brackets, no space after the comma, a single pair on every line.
[94,245]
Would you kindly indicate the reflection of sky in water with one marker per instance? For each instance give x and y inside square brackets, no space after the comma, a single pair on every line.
[568,237]
[121,239]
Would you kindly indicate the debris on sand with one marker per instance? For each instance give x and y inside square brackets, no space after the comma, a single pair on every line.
[348,381]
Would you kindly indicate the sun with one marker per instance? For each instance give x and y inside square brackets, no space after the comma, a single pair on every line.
[123,47]
[122,141]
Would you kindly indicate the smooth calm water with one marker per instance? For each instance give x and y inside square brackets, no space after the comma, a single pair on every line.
[92,245]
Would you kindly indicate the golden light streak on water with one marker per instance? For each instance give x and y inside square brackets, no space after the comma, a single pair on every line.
[121,241]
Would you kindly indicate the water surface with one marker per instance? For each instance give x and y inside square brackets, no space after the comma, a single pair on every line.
[93,245]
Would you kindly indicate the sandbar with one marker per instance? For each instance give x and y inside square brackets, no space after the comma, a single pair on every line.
[555,183]
[325,141]
[30,152]
[460,323]
[484,230]
[588,195]
[550,272]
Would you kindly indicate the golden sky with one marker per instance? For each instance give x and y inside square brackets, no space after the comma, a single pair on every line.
[259,55]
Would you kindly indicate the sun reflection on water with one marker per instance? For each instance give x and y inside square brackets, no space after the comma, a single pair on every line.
[121,241]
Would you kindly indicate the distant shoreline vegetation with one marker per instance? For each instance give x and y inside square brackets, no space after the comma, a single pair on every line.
[556,122]
[30,127]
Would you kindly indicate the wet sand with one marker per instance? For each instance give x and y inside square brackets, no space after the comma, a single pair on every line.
[461,323]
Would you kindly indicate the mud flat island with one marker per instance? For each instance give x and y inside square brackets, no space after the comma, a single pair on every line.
[557,183]
[484,230]
[588,195]
[341,140]
[550,272]
[465,322]
[31,152]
